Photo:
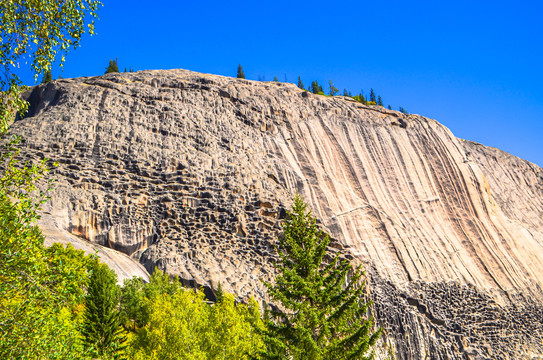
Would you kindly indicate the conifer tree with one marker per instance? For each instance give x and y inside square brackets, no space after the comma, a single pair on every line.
[333,89]
[324,313]
[379,101]
[112,67]
[275,79]
[300,83]
[362,98]
[315,87]
[47,77]
[102,326]
[132,304]
[372,96]
[241,74]
[220,293]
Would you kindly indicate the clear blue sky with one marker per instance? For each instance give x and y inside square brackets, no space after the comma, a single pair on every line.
[475,66]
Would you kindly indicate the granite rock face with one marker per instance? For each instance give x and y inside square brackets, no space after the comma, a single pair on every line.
[192,173]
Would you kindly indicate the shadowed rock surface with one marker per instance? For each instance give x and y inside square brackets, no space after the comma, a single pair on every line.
[193,172]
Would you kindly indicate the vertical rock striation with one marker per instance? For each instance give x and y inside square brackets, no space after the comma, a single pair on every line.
[192,173]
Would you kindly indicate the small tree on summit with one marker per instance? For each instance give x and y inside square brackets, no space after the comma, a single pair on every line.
[112,68]
[379,101]
[47,77]
[362,98]
[333,89]
[316,88]
[300,83]
[324,313]
[241,74]
[372,96]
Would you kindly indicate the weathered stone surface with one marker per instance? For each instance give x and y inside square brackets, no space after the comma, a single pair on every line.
[124,266]
[192,172]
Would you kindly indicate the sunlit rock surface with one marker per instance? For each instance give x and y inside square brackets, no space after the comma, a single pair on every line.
[193,172]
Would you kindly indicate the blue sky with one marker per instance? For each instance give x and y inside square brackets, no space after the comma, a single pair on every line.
[475,66]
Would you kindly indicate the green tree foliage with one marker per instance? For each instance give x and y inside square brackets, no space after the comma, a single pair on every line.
[35,31]
[241,74]
[47,77]
[132,307]
[379,101]
[102,326]
[275,79]
[403,111]
[372,96]
[360,98]
[39,294]
[333,89]
[41,306]
[316,88]
[324,313]
[112,67]
[179,324]
[300,83]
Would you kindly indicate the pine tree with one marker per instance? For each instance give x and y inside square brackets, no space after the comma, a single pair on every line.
[300,83]
[389,107]
[132,304]
[315,87]
[112,68]
[219,296]
[47,77]
[363,98]
[324,313]
[333,89]
[275,79]
[102,326]
[403,111]
[372,96]
[241,74]
[379,101]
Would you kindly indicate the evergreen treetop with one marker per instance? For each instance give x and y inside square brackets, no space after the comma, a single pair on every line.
[333,89]
[112,67]
[47,77]
[315,87]
[241,74]
[102,326]
[324,313]
[372,96]
[300,83]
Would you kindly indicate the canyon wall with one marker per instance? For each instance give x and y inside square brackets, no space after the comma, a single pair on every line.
[192,173]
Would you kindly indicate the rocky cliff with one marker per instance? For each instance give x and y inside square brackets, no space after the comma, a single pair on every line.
[192,173]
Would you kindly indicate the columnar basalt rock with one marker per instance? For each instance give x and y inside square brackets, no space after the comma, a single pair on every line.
[193,172]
